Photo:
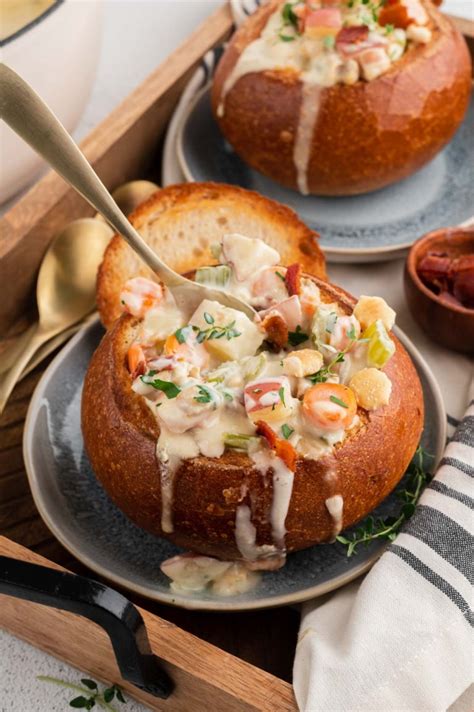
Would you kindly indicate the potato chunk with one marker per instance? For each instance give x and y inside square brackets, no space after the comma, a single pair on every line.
[372,388]
[241,336]
[369,309]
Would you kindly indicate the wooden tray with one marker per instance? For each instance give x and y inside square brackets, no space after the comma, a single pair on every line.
[239,661]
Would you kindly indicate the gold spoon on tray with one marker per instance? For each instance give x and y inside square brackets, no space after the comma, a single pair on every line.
[28,115]
[65,290]
[128,196]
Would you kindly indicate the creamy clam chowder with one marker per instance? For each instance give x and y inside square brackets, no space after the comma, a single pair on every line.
[286,386]
[329,42]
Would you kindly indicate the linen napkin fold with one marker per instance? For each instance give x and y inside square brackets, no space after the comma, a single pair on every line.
[400,639]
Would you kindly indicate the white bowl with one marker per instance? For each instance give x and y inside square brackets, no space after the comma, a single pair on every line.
[57,54]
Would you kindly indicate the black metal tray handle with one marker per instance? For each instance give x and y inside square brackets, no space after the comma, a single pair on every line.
[101,604]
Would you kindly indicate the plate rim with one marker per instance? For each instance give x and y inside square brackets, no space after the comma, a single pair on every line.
[220,605]
[339,254]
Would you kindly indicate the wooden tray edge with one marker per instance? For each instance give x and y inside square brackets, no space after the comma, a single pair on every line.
[205,676]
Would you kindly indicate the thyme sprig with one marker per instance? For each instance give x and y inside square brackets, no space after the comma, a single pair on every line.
[215,331]
[90,693]
[389,527]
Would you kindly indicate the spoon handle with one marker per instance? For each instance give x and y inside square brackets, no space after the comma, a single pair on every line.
[27,114]
[9,379]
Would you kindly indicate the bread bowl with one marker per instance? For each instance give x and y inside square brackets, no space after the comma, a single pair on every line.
[182,221]
[241,451]
[305,106]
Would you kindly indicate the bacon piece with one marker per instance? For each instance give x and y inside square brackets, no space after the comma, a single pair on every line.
[136,361]
[351,36]
[293,279]
[448,299]
[282,448]
[434,270]
[266,432]
[276,329]
[462,272]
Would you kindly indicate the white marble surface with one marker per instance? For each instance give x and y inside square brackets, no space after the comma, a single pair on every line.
[138,35]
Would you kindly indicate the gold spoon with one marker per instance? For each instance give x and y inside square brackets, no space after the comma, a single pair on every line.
[65,291]
[128,196]
[28,115]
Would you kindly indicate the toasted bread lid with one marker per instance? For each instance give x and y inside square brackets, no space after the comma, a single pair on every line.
[182,221]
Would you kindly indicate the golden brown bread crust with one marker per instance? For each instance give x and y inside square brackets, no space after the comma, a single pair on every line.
[369,134]
[120,436]
[183,220]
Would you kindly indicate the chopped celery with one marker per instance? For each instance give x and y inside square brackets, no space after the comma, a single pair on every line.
[323,324]
[252,366]
[213,276]
[238,441]
[380,347]
[216,250]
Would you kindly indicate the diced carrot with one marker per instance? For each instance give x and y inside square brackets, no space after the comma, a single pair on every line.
[282,448]
[402,13]
[136,360]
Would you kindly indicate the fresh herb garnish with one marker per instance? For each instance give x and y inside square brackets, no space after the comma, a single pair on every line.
[205,395]
[289,16]
[338,401]
[285,38]
[216,332]
[170,389]
[388,527]
[281,394]
[351,334]
[297,337]
[325,372]
[182,334]
[228,396]
[329,41]
[90,693]
[286,431]
[279,274]
[389,29]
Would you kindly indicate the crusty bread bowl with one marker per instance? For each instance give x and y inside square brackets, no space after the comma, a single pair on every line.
[182,221]
[120,435]
[365,135]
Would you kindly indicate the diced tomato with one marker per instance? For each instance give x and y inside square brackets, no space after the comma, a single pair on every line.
[293,279]
[282,448]
[136,360]
[402,13]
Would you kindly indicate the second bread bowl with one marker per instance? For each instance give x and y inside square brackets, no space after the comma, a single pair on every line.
[341,98]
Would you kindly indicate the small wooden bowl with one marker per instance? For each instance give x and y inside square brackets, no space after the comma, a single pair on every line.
[450,325]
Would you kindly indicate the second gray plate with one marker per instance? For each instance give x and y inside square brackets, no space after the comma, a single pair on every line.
[363,228]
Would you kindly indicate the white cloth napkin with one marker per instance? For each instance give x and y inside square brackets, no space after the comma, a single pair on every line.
[400,639]
[397,640]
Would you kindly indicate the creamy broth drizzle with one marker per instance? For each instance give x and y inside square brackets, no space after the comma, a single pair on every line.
[308,116]
[335,506]
[190,573]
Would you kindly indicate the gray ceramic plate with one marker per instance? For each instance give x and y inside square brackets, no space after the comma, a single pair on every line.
[364,228]
[82,517]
